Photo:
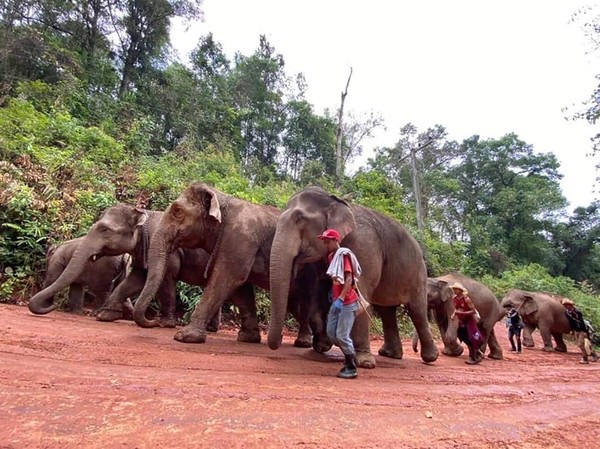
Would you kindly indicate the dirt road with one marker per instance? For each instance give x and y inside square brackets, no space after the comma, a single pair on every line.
[72,382]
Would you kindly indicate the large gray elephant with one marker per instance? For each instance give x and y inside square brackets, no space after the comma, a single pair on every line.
[98,278]
[127,229]
[237,234]
[439,300]
[540,310]
[394,272]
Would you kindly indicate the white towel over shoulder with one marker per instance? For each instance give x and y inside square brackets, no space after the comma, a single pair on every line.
[336,267]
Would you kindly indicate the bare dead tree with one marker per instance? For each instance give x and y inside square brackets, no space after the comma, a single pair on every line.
[339,162]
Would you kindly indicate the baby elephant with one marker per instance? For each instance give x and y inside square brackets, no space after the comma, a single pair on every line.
[98,278]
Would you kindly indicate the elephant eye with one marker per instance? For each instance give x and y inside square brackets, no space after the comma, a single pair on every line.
[177,211]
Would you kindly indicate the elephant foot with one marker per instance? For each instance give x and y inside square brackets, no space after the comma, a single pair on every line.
[495,356]
[528,344]
[190,335]
[303,341]
[249,336]
[548,349]
[168,322]
[365,360]
[430,354]
[560,348]
[212,327]
[390,351]
[109,315]
[322,346]
[453,352]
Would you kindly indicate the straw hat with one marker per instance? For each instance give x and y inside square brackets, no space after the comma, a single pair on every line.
[567,302]
[459,286]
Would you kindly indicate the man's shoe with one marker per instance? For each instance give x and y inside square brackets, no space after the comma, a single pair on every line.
[594,358]
[349,371]
[513,350]
[584,362]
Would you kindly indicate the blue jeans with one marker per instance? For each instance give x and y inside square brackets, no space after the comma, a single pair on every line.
[339,326]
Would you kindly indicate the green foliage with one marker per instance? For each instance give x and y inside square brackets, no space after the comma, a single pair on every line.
[188,296]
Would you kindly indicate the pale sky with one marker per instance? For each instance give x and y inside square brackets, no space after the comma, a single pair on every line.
[473,66]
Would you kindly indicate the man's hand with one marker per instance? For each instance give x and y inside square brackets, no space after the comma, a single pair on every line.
[338,304]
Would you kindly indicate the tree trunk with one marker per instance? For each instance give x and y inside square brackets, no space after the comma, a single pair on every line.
[339,159]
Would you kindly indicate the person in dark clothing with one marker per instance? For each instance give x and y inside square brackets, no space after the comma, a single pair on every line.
[580,330]
[514,323]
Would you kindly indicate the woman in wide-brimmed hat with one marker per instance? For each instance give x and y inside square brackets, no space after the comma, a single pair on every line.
[468,331]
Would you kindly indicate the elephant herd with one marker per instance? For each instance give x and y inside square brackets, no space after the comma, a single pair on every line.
[228,246]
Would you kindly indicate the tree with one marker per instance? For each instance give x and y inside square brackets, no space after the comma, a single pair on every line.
[143,32]
[578,239]
[307,137]
[258,86]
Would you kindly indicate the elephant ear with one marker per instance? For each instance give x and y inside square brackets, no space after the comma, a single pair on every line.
[140,216]
[214,209]
[340,217]
[529,305]
[208,199]
[445,290]
[50,251]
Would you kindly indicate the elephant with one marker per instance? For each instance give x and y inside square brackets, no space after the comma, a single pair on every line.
[237,234]
[98,278]
[540,310]
[439,300]
[125,229]
[393,269]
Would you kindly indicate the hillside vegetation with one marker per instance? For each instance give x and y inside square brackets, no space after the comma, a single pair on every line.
[87,121]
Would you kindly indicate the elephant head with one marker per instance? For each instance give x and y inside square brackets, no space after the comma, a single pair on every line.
[523,301]
[193,220]
[307,215]
[117,231]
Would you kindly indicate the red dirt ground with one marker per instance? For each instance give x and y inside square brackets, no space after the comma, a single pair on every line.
[72,382]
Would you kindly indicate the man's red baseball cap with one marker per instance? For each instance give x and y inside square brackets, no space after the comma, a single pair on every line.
[330,234]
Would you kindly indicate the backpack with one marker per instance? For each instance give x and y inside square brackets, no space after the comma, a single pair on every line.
[516,321]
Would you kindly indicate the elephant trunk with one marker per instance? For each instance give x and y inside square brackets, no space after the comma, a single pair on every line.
[415,341]
[283,251]
[157,263]
[42,302]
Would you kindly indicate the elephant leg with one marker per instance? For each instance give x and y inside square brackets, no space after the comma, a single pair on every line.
[245,300]
[301,313]
[221,286]
[495,349]
[99,300]
[321,342]
[392,345]
[528,336]
[362,342]
[119,299]
[417,311]
[546,337]
[167,295]
[560,343]
[215,322]
[75,300]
